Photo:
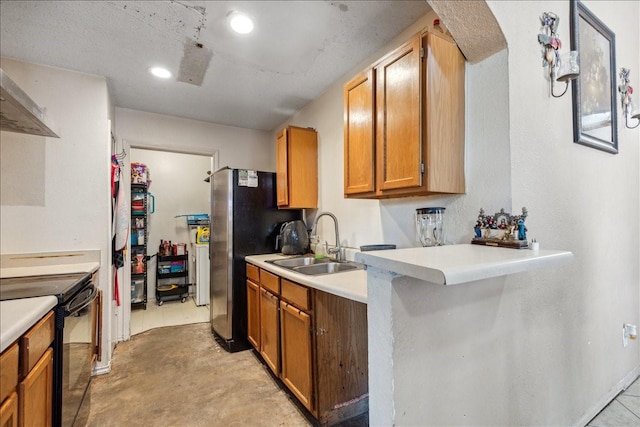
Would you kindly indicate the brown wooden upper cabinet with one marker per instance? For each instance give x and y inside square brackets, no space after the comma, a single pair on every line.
[404,122]
[297,168]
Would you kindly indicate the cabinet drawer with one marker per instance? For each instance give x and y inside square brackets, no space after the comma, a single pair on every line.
[253,273]
[270,281]
[35,342]
[297,295]
[8,371]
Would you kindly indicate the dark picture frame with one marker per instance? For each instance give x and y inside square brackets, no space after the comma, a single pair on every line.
[595,122]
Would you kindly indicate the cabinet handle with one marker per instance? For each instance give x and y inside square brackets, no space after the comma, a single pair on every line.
[287,305]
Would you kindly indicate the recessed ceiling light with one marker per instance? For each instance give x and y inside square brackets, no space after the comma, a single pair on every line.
[163,73]
[240,23]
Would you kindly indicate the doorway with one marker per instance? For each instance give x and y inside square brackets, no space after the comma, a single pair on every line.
[177,188]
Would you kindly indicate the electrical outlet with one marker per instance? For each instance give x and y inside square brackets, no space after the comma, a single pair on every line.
[625,336]
[632,330]
[629,331]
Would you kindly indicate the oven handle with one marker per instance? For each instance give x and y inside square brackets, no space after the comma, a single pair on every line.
[75,306]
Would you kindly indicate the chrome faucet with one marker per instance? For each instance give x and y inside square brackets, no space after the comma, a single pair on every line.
[337,250]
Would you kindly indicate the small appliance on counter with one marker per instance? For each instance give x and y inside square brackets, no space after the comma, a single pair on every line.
[429,226]
[294,238]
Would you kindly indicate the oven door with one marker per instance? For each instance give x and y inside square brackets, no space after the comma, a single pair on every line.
[78,352]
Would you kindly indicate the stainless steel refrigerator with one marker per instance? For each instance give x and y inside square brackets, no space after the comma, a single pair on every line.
[245,220]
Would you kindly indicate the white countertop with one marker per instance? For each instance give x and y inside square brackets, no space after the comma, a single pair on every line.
[86,267]
[347,284]
[18,315]
[455,264]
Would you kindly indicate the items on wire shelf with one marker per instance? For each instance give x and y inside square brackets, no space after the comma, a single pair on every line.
[172,272]
[139,236]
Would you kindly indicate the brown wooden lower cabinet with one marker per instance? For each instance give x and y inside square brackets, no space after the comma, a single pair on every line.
[36,393]
[341,357]
[295,333]
[26,377]
[9,411]
[270,330]
[253,313]
[316,343]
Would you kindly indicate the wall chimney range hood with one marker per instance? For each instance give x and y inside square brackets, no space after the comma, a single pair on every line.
[18,112]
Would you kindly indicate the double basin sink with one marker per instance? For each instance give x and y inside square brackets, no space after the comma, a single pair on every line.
[316,266]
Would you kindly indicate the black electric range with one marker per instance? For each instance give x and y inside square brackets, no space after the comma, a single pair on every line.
[62,286]
[72,358]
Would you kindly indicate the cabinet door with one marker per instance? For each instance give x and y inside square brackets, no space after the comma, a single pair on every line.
[296,352]
[36,393]
[341,345]
[270,330]
[359,134]
[9,411]
[444,115]
[253,314]
[282,170]
[303,168]
[398,107]
[297,168]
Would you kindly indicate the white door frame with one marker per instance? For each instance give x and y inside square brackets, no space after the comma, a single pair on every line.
[122,315]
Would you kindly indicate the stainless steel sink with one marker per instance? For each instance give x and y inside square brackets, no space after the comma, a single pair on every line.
[328,268]
[299,261]
[316,266]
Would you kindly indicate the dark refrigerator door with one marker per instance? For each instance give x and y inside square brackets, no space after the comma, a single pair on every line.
[255,213]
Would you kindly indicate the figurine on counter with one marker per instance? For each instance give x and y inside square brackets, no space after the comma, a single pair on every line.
[480,223]
[522,230]
[501,229]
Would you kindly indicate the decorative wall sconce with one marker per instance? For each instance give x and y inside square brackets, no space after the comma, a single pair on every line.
[626,90]
[562,68]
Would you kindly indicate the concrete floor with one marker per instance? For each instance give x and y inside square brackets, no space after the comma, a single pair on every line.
[179,376]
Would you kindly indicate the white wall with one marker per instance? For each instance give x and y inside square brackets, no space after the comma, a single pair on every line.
[55,192]
[235,147]
[178,187]
[229,146]
[576,314]
[544,348]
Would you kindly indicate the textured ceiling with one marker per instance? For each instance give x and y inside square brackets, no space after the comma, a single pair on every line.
[296,51]
[473,26]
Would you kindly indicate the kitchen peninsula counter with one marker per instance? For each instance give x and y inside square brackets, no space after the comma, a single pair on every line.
[442,265]
[423,330]
[456,264]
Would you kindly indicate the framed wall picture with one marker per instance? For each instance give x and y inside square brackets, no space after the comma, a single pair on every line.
[594,91]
